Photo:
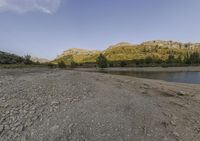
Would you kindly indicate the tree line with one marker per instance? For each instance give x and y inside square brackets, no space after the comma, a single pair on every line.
[14,59]
[189,58]
[192,58]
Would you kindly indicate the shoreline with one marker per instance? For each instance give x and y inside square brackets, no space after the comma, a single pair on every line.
[145,69]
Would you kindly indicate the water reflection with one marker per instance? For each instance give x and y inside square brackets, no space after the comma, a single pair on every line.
[183,77]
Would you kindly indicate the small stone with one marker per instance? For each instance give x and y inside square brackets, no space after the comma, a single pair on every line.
[10,134]
[71,125]
[32,112]
[181,93]
[1,129]
[20,128]
[165,124]
[6,127]
[173,123]
[28,123]
[55,102]
[176,134]
[23,138]
[7,112]
[25,111]
[16,124]
[149,135]
[13,128]
[54,128]
[126,81]
[6,106]
[35,117]
[164,138]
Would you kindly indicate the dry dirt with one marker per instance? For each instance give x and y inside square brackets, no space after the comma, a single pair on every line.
[42,104]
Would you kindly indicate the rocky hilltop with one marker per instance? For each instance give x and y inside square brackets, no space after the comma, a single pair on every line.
[77,51]
[77,55]
[119,45]
[171,44]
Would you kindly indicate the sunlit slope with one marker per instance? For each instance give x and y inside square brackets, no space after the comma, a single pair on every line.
[160,50]
[78,56]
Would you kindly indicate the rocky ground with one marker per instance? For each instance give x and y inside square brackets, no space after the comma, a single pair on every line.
[41,104]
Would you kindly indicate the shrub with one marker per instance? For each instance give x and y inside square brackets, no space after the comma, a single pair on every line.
[62,64]
[27,60]
[102,61]
[194,58]
[73,64]
[171,59]
[51,65]
[123,64]
[111,65]
[148,60]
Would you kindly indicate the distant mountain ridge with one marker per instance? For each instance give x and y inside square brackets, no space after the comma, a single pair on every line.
[124,51]
[40,60]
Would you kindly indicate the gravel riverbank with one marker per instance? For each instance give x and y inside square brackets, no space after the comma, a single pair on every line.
[59,105]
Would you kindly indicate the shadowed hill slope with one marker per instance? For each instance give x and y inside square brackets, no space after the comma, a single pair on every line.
[7,58]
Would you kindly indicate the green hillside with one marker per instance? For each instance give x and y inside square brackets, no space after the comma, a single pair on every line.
[159,51]
[7,58]
[78,56]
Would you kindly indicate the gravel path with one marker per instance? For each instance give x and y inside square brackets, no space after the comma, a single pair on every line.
[42,104]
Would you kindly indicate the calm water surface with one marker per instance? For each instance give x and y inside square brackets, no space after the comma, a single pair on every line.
[182,77]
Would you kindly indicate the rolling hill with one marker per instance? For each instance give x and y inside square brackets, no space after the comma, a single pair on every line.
[77,55]
[157,49]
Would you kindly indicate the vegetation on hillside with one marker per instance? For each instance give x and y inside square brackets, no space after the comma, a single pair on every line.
[148,53]
[121,55]
[7,58]
[61,64]
[78,56]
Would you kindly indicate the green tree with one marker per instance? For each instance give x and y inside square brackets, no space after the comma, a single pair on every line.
[194,58]
[73,64]
[179,59]
[27,60]
[123,64]
[187,58]
[148,60]
[171,59]
[62,64]
[102,61]
[51,65]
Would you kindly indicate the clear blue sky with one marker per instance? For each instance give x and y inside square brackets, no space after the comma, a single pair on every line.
[45,28]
